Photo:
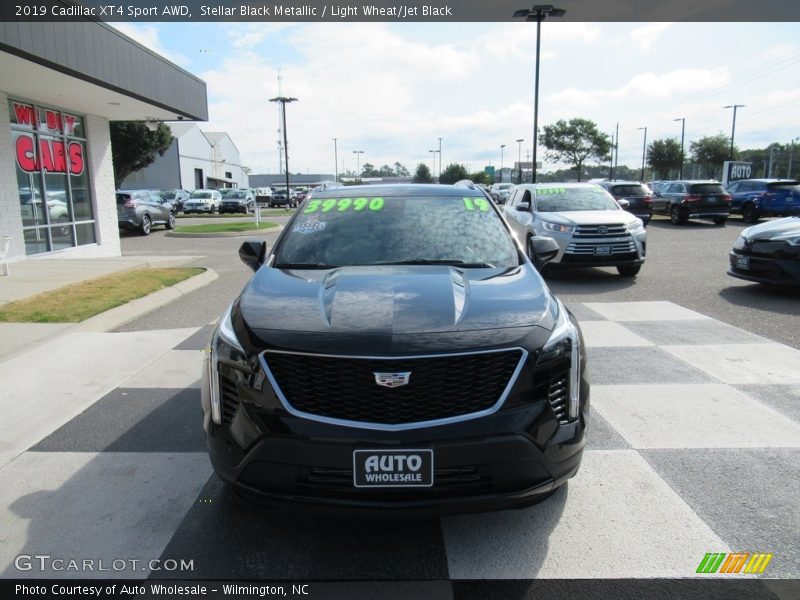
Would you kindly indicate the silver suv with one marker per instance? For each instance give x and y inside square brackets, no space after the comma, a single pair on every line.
[203,201]
[587,223]
[141,209]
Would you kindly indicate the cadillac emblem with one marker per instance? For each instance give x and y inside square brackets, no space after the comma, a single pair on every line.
[392,380]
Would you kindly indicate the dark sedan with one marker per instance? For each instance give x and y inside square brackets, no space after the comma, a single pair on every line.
[768,253]
[693,199]
[395,354]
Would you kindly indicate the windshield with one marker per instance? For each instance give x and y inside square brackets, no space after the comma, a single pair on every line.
[367,231]
[629,190]
[201,194]
[782,186]
[168,195]
[235,195]
[564,199]
[707,188]
[505,186]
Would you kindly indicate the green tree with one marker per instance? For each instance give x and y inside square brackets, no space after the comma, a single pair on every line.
[710,152]
[368,170]
[664,155]
[575,142]
[480,177]
[400,170]
[386,171]
[134,146]
[454,172]
[422,174]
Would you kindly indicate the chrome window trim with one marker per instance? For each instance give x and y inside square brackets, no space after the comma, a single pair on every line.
[401,426]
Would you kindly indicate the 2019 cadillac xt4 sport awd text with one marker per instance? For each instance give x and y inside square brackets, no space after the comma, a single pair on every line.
[395,354]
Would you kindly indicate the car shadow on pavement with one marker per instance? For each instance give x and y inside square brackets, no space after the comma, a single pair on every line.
[589,280]
[768,298]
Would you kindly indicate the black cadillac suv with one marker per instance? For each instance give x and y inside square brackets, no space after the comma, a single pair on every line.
[395,354]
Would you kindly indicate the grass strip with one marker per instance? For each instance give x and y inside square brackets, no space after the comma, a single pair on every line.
[224,227]
[79,301]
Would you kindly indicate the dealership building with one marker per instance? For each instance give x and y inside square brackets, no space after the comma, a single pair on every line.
[62,84]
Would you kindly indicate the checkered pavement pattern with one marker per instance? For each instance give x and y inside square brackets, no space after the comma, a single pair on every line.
[693,447]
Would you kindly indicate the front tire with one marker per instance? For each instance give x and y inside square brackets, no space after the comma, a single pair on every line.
[537,264]
[629,270]
[749,213]
[170,221]
[677,216]
[720,220]
[145,226]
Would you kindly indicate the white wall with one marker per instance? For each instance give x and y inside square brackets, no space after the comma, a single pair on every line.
[10,216]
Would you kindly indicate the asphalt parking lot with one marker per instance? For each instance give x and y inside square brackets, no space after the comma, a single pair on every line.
[694,445]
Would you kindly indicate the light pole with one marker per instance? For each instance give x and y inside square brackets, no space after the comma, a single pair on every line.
[683,131]
[538,13]
[335,161]
[733,128]
[644,150]
[358,154]
[440,160]
[616,151]
[283,100]
[611,161]
[519,161]
[434,160]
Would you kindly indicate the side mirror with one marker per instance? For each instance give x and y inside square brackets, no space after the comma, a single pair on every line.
[624,204]
[544,249]
[523,206]
[253,252]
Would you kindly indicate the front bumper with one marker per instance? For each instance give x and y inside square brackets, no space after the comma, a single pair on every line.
[232,208]
[625,250]
[198,208]
[511,458]
[782,269]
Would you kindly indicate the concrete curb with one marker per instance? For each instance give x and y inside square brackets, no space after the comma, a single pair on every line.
[119,316]
[248,233]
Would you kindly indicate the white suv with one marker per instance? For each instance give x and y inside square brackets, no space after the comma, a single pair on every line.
[207,201]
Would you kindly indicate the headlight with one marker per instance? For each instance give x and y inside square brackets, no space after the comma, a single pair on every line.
[565,341]
[557,227]
[225,347]
[740,243]
[637,225]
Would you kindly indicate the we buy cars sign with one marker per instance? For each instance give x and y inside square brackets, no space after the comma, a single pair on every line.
[54,155]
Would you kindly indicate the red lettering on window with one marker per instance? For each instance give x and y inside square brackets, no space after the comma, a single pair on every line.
[46,156]
[26,158]
[24,114]
[75,150]
[53,120]
[59,157]
[69,124]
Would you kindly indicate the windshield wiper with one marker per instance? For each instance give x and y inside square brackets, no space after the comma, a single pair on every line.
[443,261]
[304,266]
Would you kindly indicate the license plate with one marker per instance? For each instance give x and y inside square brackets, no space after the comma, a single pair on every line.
[392,468]
[602,251]
[742,262]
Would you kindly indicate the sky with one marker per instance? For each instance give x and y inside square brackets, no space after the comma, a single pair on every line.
[392,89]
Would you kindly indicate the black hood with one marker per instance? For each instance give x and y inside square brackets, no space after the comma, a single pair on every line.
[413,307]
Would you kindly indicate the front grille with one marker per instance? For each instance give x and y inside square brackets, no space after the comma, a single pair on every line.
[616,247]
[594,231]
[229,398]
[440,387]
[558,397]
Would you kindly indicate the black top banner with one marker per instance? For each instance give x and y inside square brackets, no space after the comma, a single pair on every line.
[397,11]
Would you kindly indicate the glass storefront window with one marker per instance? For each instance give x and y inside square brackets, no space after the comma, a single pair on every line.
[52,179]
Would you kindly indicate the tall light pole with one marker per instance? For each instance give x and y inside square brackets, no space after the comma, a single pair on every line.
[616,151]
[611,161]
[519,160]
[283,100]
[644,150]
[358,154]
[440,159]
[683,132]
[335,161]
[502,150]
[733,128]
[434,161]
[538,13]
